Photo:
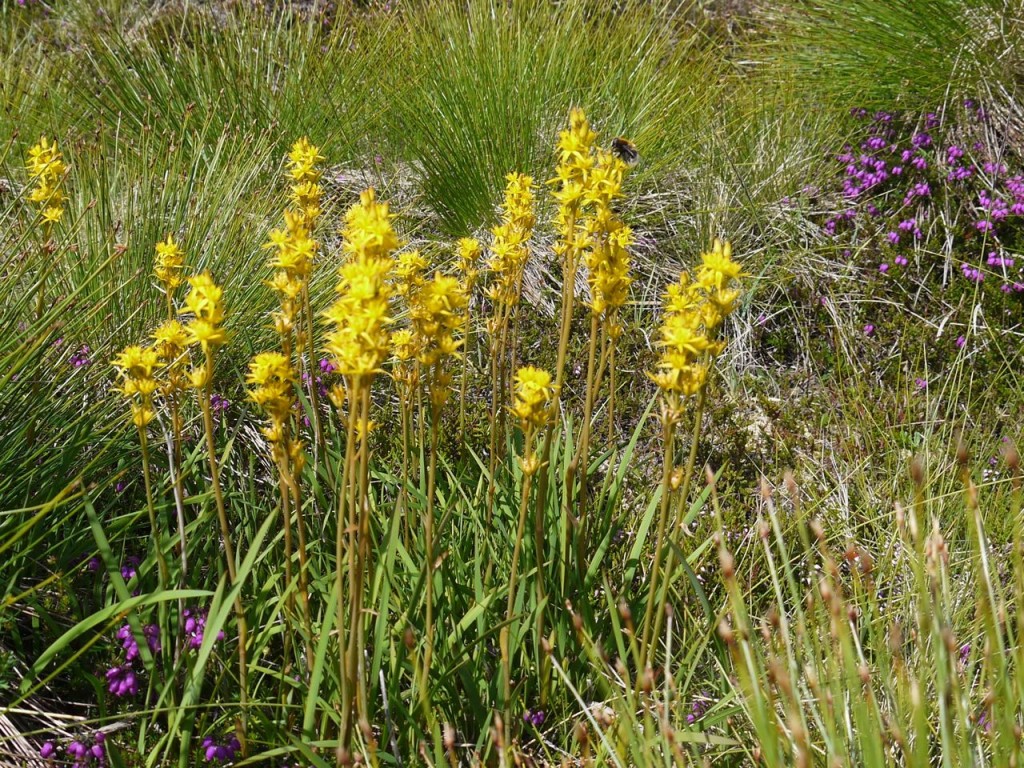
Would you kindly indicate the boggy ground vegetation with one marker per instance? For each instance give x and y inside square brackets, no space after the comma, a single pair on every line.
[577,397]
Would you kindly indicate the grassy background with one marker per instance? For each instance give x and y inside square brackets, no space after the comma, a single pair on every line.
[174,117]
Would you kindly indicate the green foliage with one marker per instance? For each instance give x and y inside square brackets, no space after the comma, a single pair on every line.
[174,117]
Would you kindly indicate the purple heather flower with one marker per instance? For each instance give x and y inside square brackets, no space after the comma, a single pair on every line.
[883,268]
[953,153]
[920,163]
[984,226]
[931,120]
[901,260]
[893,238]
[959,173]
[921,140]
[869,329]
[983,722]
[121,681]
[961,341]
[47,750]
[971,273]
[195,626]
[920,383]
[130,568]
[701,704]
[906,225]
[81,357]
[94,564]
[326,366]
[219,403]
[119,486]
[534,717]
[222,753]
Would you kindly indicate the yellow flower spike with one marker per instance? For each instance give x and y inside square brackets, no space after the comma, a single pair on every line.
[469,252]
[718,268]
[205,301]
[44,159]
[169,264]
[368,232]
[46,168]
[273,380]
[693,313]
[534,392]
[136,362]
[136,365]
[409,269]
[359,343]
[437,313]
[303,161]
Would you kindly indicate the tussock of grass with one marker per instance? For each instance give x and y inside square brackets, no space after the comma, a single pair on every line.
[802,618]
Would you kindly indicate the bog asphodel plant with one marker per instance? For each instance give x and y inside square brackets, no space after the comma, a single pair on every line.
[295,250]
[469,253]
[168,268]
[358,344]
[46,171]
[509,254]
[532,407]
[437,313]
[204,303]
[136,367]
[171,340]
[273,382]
[606,257]
[694,313]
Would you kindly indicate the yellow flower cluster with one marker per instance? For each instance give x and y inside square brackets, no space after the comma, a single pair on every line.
[367,232]
[359,342]
[509,251]
[607,257]
[437,313]
[405,373]
[136,366]
[294,251]
[694,310]
[205,302]
[410,268]
[46,169]
[169,264]
[572,178]
[533,394]
[272,378]
[469,252]
[170,340]
[305,173]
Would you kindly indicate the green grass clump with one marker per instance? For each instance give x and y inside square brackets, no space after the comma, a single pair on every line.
[426,575]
